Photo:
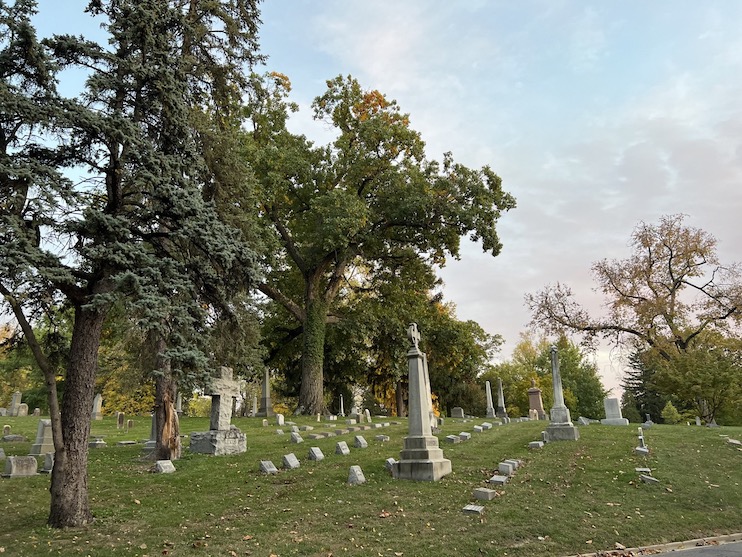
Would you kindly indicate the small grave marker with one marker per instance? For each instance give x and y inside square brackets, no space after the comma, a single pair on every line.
[360,442]
[267,467]
[471,508]
[342,448]
[164,467]
[355,476]
[484,493]
[296,438]
[290,462]
[315,453]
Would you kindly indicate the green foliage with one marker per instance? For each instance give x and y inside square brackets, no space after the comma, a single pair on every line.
[670,414]
[630,410]
[199,406]
[367,200]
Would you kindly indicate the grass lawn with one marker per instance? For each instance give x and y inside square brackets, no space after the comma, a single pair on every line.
[567,498]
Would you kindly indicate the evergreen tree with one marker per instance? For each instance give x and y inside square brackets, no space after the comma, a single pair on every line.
[137,229]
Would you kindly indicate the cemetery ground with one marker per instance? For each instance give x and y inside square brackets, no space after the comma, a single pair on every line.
[566,498]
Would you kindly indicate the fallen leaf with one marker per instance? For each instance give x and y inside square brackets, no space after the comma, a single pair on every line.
[620,546]
[385,514]
[589,542]
[247,537]
[137,502]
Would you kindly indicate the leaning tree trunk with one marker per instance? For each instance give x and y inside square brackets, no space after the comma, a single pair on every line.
[167,425]
[69,484]
[399,395]
[311,395]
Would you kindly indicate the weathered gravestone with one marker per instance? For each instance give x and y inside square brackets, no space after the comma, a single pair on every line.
[290,462]
[44,441]
[22,410]
[20,466]
[120,420]
[315,453]
[96,413]
[561,427]
[37,412]
[500,412]
[266,406]
[613,412]
[355,476]
[280,420]
[360,442]
[151,443]
[48,463]
[15,402]
[164,467]
[421,458]
[535,403]
[222,437]
[490,404]
[6,429]
[457,412]
[341,448]
[267,467]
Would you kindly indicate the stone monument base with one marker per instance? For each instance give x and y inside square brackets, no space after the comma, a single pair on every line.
[561,432]
[614,421]
[421,460]
[490,413]
[217,442]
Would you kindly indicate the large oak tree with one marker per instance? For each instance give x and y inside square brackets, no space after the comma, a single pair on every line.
[360,200]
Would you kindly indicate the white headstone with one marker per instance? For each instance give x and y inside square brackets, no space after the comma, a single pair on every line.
[290,462]
[613,412]
[44,440]
[97,407]
[342,448]
[164,467]
[355,476]
[315,453]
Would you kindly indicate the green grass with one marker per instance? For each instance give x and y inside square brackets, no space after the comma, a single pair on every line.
[564,496]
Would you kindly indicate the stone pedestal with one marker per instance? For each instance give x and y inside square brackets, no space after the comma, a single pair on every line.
[561,427]
[535,402]
[266,406]
[421,458]
[231,441]
[44,441]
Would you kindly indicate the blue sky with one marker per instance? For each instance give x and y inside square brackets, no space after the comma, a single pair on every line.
[597,115]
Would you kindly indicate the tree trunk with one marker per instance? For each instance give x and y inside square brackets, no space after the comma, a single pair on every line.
[69,484]
[311,395]
[167,425]
[400,392]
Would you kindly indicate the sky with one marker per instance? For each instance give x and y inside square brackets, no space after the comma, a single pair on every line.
[596,115]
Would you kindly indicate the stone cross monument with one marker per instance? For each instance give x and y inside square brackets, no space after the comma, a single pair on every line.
[561,427]
[421,458]
[222,437]
[490,406]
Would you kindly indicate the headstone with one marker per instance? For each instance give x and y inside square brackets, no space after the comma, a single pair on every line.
[280,420]
[453,439]
[151,443]
[266,406]
[583,421]
[367,414]
[698,420]
[294,429]
[648,422]
[457,412]
[299,410]
[2,454]
[48,463]
[44,440]
[505,468]
[254,406]
[613,412]
[37,412]
[486,426]
[464,435]
[484,493]
[536,445]
[382,438]
[296,437]
[490,405]
[6,429]
[22,410]
[97,443]
[351,421]
[560,428]
[222,437]
[97,413]
[319,417]
[279,432]
[500,412]
[498,479]
[342,448]
[421,458]
[342,409]
[20,466]
[120,420]
[306,428]
[649,479]
[290,462]
[265,423]
[389,464]
[164,467]
[179,404]
[535,402]
[355,476]
[533,414]
[515,463]
[315,453]
[15,402]
[478,429]
[3,412]
[360,442]
[471,508]
[267,467]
